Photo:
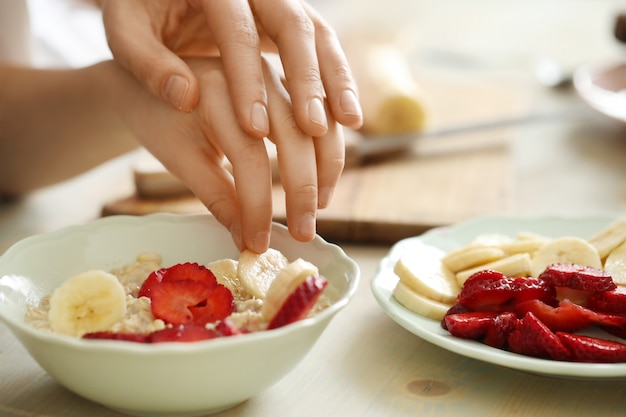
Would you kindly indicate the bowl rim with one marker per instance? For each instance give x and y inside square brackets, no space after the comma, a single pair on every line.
[160,348]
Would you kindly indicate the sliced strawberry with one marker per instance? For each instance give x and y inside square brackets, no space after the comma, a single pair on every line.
[300,302]
[567,317]
[579,297]
[492,291]
[592,349]
[612,302]
[217,306]
[171,301]
[123,336]
[533,338]
[471,325]
[189,332]
[178,272]
[578,277]
[455,309]
[498,331]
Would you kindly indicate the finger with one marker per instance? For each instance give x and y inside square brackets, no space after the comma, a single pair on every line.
[138,48]
[289,26]
[296,162]
[234,31]
[248,157]
[330,157]
[339,84]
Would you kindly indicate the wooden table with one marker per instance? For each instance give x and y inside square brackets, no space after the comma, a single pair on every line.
[365,364]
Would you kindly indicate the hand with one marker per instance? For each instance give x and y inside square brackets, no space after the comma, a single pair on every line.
[192,146]
[149,37]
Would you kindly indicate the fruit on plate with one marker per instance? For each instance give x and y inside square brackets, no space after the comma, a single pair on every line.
[522,314]
[565,250]
[427,275]
[615,264]
[299,303]
[471,256]
[418,303]
[610,237]
[257,271]
[513,265]
[285,283]
[87,302]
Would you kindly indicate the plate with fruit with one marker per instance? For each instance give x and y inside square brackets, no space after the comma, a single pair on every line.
[545,295]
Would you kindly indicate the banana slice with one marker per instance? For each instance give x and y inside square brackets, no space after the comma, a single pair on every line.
[522,246]
[567,249]
[88,302]
[609,238]
[471,256]
[284,284]
[423,272]
[225,270]
[615,264]
[517,265]
[257,271]
[419,304]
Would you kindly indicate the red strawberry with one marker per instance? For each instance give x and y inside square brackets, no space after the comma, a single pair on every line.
[455,309]
[592,349]
[217,306]
[533,338]
[183,333]
[578,277]
[178,302]
[567,317]
[612,302]
[499,329]
[178,272]
[128,337]
[471,325]
[300,302]
[491,290]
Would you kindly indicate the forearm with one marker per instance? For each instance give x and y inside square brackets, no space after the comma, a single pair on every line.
[55,124]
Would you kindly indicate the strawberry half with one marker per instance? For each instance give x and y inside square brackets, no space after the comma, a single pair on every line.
[592,349]
[533,338]
[612,302]
[186,301]
[500,328]
[578,277]
[471,325]
[183,333]
[300,302]
[178,272]
[489,290]
[127,337]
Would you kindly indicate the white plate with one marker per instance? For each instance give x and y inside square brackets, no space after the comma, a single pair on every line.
[603,87]
[452,237]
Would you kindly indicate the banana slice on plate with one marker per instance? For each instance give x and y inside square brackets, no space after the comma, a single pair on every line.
[517,265]
[615,264]
[471,256]
[423,272]
[257,271]
[88,302]
[418,303]
[609,238]
[284,284]
[567,249]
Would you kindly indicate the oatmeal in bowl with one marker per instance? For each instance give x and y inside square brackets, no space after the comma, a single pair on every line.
[240,353]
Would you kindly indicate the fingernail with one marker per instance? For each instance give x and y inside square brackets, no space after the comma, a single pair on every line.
[176,89]
[258,117]
[306,226]
[326,193]
[317,114]
[349,103]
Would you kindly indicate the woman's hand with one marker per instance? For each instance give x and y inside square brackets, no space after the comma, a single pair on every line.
[192,146]
[149,37]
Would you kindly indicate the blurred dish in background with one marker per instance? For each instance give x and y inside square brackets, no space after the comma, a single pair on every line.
[603,87]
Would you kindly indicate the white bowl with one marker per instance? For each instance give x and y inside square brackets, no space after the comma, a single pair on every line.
[603,87]
[182,379]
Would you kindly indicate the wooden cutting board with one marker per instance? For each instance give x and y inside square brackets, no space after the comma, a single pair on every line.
[438,181]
